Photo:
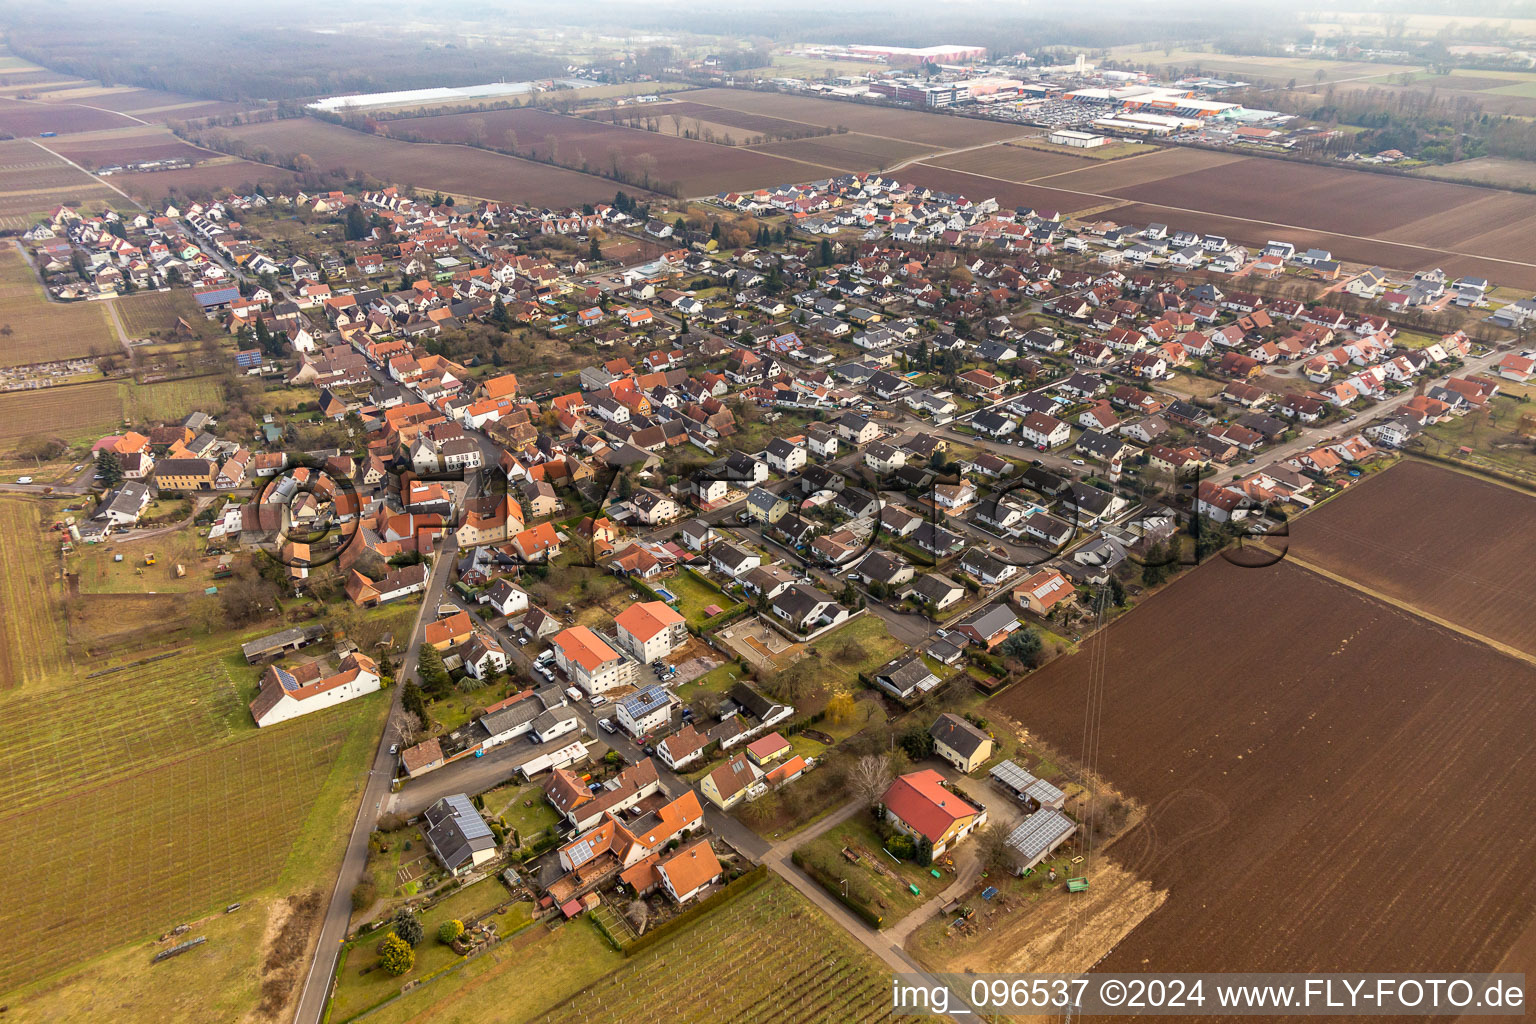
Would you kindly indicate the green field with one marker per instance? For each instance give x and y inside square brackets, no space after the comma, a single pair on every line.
[154,314]
[1493,434]
[89,411]
[40,330]
[136,788]
[33,647]
[190,806]
[172,400]
[817,972]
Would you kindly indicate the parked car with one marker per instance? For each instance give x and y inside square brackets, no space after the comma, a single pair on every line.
[598,700]
[522,641]
[394,748]
[1077,462]
[23,479]
[605,724]
[573,693]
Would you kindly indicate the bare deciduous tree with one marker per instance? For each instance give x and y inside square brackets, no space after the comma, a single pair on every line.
[639,914]
[870,778]
[405,725]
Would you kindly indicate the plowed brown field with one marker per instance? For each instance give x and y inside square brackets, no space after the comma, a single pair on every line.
[457,169]
[1458,547]
[1332,784]
[695,167]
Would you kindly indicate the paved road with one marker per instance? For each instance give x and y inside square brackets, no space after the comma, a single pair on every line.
[882,944]
[338,912]
[80,485]
[469,775]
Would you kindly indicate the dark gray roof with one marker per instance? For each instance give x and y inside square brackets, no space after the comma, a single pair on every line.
[799,601]
[907,675]
[958,735]
[933,586]
[514,717]
[456,831]
[298,635]
[987,621]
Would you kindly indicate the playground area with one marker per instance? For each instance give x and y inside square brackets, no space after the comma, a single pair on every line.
[761,645]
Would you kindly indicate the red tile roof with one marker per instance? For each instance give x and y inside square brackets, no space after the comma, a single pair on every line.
[920,800]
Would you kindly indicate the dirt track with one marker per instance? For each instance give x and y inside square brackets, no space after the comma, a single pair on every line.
[1330,782]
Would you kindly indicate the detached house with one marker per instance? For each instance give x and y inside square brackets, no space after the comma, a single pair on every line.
[919,805]
[286,694]
[960,743]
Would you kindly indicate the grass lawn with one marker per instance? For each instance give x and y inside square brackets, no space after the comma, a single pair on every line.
[694,595]
[1195,387]
[717,680]
[99,574]
[887,892]
[361,984]
[1108,151]
[564,961]
[860,645]
[508,803]
[458,708]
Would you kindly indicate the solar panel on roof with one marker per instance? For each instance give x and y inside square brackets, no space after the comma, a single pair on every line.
[646,701]
[286,678]
[1039,832]
[471,825]
[581,852]
[1012,776]
[1043,792]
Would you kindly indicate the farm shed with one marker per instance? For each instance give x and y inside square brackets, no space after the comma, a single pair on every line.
[1037,836]
[1025,787]
[276,643]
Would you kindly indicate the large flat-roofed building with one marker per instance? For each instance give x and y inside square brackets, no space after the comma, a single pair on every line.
[945,53]
[1076,139]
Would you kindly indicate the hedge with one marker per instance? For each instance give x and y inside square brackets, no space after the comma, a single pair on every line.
[725,617]
[644,589]
[731,890]
[860,909]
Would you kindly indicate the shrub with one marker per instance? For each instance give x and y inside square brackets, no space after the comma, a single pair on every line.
[395,955]
[448,931]
[408,926]
[902,846]
[364,893]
